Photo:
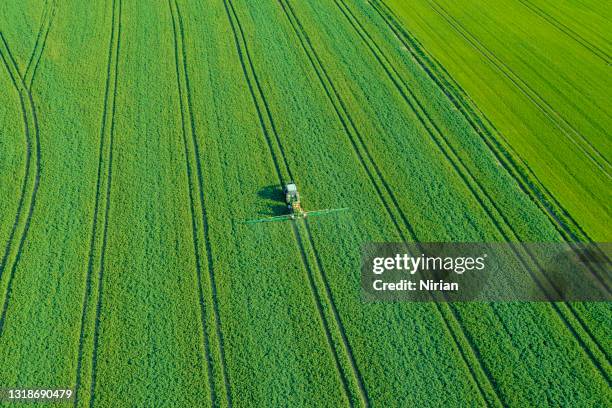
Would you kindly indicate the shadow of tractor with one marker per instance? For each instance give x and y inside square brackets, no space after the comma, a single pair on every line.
[274,196]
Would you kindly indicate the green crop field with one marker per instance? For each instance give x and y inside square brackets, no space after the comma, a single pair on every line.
[136,138]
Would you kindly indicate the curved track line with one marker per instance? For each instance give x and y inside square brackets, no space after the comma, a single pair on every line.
[17,83]
[469,179]
[562,124]
[30,118]
[183,82]
[460,340]
[24,83]
[104,155]
[43,33]
[361,392]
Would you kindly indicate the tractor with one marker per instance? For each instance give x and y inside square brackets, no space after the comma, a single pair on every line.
[292,199]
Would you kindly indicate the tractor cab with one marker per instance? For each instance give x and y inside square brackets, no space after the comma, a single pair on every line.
[292,198]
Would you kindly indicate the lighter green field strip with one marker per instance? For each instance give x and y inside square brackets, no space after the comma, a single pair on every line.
[583,143]
[495,141]
[567,30]
[586,25]
[557,215]
[560,173]
[577,325]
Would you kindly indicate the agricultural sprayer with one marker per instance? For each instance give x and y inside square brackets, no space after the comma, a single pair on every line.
[294,206]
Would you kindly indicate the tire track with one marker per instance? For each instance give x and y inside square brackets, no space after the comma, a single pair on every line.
[319,305]
[352,392]
[478,191]
[21,226]
[566,311]
[595,50]
[39,34]
[330,300]
[103,198]
[17,83]
[187,117]
[528,181]
[23,81]
[583,144]
[102,205]
[480,123]
[449,318]
[425,119]
[460,99]
[43,33]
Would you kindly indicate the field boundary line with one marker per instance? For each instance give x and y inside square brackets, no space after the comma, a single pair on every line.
[562,124]
[595,50]
[479,192]
[461,342]
[326,322]
[102,205]
[185,101]
[30,120]
[446,148]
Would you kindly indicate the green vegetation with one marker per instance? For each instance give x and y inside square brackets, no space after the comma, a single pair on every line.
[542,84]
[138,138]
